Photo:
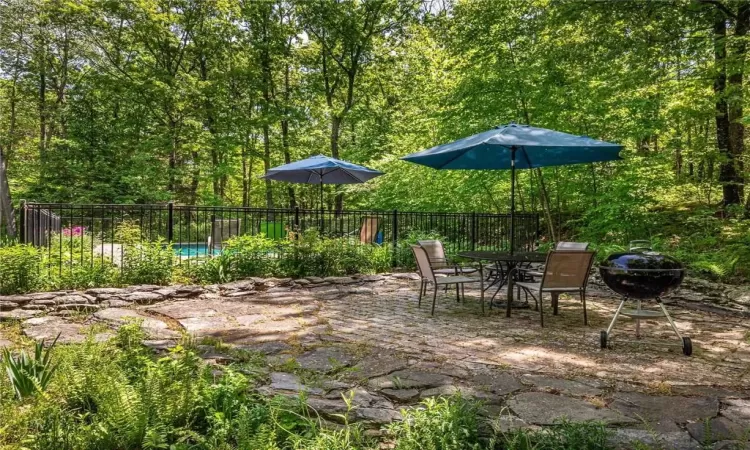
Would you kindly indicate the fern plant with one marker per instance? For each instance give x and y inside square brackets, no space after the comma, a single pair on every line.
[30,375]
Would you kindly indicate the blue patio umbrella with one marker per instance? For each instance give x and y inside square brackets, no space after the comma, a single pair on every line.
[516,146]
[321,169]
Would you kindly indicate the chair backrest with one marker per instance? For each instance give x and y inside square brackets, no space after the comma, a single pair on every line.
[567,269]
[572,245]
[369,230]
[222,230]
[435,253]
[423,263]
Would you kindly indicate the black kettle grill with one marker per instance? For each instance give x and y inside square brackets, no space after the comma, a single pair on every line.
[642,274]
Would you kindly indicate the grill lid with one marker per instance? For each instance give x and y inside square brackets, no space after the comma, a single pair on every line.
[643,260]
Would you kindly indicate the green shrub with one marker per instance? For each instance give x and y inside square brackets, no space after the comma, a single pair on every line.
[449,423]
[404,257]
[147,263]
[84,276]
[563,436]
[313,255]
[242,256]
[253,255]
[20,269]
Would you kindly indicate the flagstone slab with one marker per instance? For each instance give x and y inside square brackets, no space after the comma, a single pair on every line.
[282,381]
[48,327]
[717,429]
[661,409]
[155,328]
[738,411]
[405,379]
[197,324]
[378,363]
[325,359]
[542,408]
[401,395]
[630,438]
[560,385]
[499,383]
[18,314]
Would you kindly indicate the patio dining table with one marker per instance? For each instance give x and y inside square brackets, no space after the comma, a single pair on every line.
[505,262]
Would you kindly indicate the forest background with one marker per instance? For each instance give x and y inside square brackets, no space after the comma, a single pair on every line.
[147,101]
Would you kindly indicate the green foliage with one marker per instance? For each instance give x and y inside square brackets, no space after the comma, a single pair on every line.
[147,263]
[128,233]
[20,269]
[117,394]
[312,254]
[28,375]
[242,256]
[563,436]
[300,255]
[404,256]
[440,424]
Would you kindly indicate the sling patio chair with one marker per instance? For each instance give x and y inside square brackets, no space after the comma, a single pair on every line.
[564,271]
[368,232]
[221,231]
[427,276]
[536,270]
[439,262]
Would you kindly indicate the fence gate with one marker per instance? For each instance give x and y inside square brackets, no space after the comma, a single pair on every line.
[38,224]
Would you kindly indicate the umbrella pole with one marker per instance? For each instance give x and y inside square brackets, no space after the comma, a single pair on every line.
[322,209]
[512,197]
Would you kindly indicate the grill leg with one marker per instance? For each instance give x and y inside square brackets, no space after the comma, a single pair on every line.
[614,319]
[669,318]
[638,323]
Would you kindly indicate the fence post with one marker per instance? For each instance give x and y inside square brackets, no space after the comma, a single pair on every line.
[394,228]
[473,230]
[22,221]
[170,221]
[296,223]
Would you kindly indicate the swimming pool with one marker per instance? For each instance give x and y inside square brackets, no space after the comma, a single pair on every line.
[190,249]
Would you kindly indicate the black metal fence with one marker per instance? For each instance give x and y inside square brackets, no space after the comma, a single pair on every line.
[200,231]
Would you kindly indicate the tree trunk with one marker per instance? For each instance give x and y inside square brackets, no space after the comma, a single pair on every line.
[171,179]
[727,169]
[209,123]
[285,133]
[335,135]
[734,102]
[42,116]
[245,176]
[5,201]
[287,158]
[267,164]
[545,205]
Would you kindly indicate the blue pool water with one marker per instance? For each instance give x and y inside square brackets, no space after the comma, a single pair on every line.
[190,249]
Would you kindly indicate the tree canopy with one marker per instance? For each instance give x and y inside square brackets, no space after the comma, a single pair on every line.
[143,101]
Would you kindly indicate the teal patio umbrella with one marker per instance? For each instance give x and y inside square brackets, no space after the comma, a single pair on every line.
[515,146]
[320,170]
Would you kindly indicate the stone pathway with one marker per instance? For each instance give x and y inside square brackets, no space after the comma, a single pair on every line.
[366,338]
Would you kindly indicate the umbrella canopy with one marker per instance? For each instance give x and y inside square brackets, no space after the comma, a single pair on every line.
[516,146]
[534,147]
[322,169]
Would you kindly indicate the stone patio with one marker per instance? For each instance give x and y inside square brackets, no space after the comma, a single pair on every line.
[366,337]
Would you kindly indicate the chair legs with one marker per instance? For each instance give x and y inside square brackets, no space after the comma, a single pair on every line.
[422,289]
[583,300]
[434,297]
